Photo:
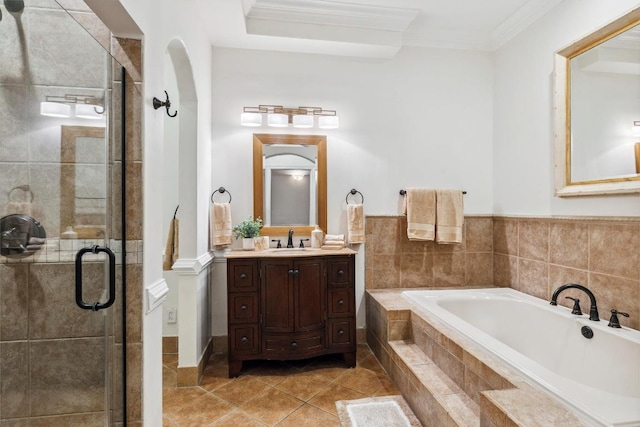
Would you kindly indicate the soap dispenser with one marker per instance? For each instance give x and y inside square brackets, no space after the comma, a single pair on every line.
[316,238]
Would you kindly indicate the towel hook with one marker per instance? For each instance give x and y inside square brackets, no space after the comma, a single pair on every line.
[221,190]
[176,212]
[353,192]
[166,103]
[26,188]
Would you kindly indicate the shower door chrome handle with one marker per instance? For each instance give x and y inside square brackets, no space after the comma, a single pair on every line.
[112,279]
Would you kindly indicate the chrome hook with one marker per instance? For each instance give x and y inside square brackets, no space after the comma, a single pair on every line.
[167,104]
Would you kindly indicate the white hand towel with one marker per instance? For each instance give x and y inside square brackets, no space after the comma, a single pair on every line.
[420,207]
[449,216]
[221,230]
[355,223]
[333,237]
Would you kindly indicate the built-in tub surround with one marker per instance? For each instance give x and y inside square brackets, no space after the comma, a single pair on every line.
[545,343]
[534,255]
[449,379]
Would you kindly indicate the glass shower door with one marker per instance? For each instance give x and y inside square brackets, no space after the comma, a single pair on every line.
[61,221]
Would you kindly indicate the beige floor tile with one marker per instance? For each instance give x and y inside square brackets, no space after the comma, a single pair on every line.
[237,418]
[173,398]
[327,398]
[272,406]
[310,416]
[201,411]
[303,387]
[241,390]
[362,380]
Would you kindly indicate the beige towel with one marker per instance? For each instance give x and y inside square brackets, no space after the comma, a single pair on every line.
[355,223]
[420,207]
[449,216]
[171,250]
[221,234]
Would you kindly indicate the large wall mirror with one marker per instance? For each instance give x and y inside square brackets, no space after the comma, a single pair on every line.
[290,182]
[597,97]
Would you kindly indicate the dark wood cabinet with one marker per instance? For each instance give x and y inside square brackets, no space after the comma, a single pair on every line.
[285,308]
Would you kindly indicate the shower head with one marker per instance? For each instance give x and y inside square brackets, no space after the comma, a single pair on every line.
[14,6]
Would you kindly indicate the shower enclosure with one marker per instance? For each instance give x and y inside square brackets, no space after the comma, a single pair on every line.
[62,168]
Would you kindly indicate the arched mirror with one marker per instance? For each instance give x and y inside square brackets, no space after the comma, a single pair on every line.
[290,182]
[597,87]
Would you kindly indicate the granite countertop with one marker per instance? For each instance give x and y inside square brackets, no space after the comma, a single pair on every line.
[288,253]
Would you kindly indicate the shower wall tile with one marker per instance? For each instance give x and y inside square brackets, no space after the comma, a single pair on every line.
[83,60]
[85,420]
[134,201]
[52,308]
[14,129]
[14,297]
[14,379]
[74,5]
[67,376]
[46,197]
[14,50]
[94,26]
[128,53]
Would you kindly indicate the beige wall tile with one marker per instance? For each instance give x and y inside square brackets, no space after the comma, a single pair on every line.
[616,293]
[479,269]
[14,302]
[533,277]
[533,239]
[614,249]
[14,379]
[569,244]
[449,269]
[479,234]
[505,236]
[416,270]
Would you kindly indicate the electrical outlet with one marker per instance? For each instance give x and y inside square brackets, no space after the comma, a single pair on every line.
[172,315]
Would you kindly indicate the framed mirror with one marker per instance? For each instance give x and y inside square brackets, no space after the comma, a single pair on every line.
[83,186]
[597,82]
[290,183]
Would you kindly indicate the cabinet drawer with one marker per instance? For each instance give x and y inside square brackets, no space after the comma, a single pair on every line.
[341,332]
[340,271]
[243,339]
[243,308]
[242,275]
[293,345]
[341,303]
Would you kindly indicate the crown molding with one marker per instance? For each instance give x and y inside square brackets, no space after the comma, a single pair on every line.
[331,13]
[520,20]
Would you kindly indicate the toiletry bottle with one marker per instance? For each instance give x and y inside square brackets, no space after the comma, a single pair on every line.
[316,238]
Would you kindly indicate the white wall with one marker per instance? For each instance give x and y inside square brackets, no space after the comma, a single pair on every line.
[423,118]
[523,114]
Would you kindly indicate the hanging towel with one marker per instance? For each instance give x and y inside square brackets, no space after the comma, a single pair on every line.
[221,234]
[355,223]
[449,216]
[420,207]
[171,250]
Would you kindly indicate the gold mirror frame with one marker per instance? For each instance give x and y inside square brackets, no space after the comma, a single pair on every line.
[320,141]
[564,186]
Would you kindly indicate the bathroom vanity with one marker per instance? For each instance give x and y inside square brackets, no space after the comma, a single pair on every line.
[286,304]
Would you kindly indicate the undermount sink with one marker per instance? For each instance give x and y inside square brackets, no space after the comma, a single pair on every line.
[285,250]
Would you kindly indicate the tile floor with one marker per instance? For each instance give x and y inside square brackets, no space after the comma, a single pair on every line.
[269,393]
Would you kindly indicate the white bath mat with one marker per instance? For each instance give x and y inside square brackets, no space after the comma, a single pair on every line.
[387,411]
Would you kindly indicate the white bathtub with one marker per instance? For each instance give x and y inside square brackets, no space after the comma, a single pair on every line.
[599,377]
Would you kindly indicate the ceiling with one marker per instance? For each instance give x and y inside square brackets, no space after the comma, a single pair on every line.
[367,28]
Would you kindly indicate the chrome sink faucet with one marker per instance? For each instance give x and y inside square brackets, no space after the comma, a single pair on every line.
[290,239]
[593,310]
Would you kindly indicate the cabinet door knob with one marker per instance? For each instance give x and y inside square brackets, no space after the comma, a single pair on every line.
[341,332]
[244,340]
[340,272]
[243,276]
[341,302]
[294,344]
[291,271]
[243,307]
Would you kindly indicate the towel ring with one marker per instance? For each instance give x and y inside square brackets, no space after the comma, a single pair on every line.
[221,190]
[26,188]
[353,192]
[403,192]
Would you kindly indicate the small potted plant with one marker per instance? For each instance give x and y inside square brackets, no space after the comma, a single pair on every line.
[248,229]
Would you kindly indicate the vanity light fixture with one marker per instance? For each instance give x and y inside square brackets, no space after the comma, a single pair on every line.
[86,106]
[635,129]
[279,116]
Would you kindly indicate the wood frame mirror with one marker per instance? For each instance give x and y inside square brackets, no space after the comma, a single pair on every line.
[320,142]
[565,183]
